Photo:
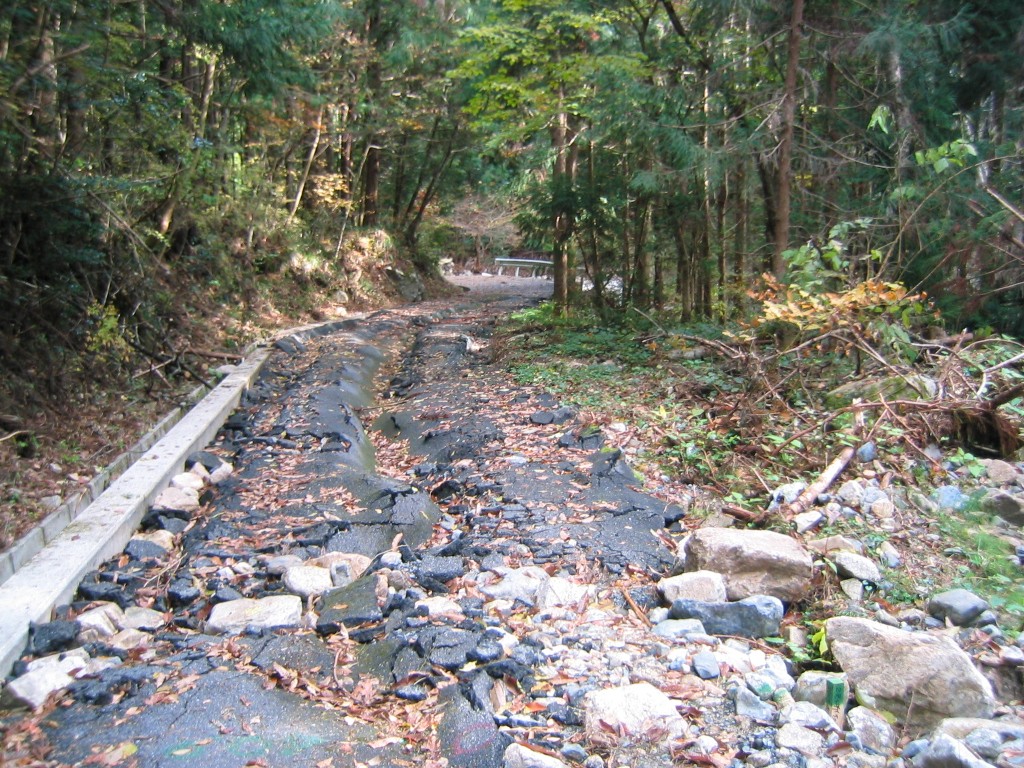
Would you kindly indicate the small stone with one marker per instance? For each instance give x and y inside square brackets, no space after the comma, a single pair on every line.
[890,555]
[188,481]
[960,606]
[706,586]
[265,613]
[853,589]
[705,665]
[749,704]
[35,687]
[276,566]
[99,622]
[163,539]
[1001,472]
[678,628]
[632,710]
[142,618]
[519,756]
[542,417]
[808,521]
[221,472]
[129,640]
[812,686]
[559,591]
[853,566]
[867,452]
[949,497]
[574,752]
[946,752]
[872,729]
[757,616]
[986,742]
[1004,505]
[803,740]
[173,499]
[307,580]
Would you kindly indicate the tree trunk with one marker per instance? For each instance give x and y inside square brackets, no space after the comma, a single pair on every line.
[784,195]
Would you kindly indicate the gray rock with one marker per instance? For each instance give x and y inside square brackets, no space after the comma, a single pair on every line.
[442,569]
[788,493]
[751,562]
[146,619]
[307,580]
[1004,505]
[633,710]
[173,499]
[853,589]
[518,756]
[265,613]
[803,740]
[706,586]
[809,715]
[749,704]
[808,521]
[890,555]
[986,743]
[1001,472]
[852,566]
[276,566]
[34,687]
[960,606]
[53,636]
[850,493]
[949,497]
[705,665]
[867,452]
[678,628]
[757,616]
[946,752]
[517,584]
[872,729]
[918,678]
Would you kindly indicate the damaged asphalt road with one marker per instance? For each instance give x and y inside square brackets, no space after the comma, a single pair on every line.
[430,533]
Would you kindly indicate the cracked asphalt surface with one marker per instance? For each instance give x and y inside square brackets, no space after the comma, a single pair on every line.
[399,438]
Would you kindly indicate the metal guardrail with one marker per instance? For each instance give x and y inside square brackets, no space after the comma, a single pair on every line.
[534,265]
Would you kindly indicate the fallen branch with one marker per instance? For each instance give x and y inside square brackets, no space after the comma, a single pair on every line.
[214,355]
[819,486]
[636,608]
[740,513]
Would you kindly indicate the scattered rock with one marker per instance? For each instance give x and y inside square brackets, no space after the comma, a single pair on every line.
[517,584]
[916,677]
[635,710]
[1004,505]
[751,562]
[705,665]
[757,616]
[519,756]
[853,566]
[1001,472]
[946,752]
[172,499]
[265,613]
[800,739]
[145,619]
[706,586]
[949,497]
[307,580]
[960,606]
[872,729]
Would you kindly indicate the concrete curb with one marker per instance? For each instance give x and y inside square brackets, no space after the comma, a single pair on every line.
[50,577]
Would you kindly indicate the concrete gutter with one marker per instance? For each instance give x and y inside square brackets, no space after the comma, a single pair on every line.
[51,575]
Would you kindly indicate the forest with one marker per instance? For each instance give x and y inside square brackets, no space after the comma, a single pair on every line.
[174,172]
